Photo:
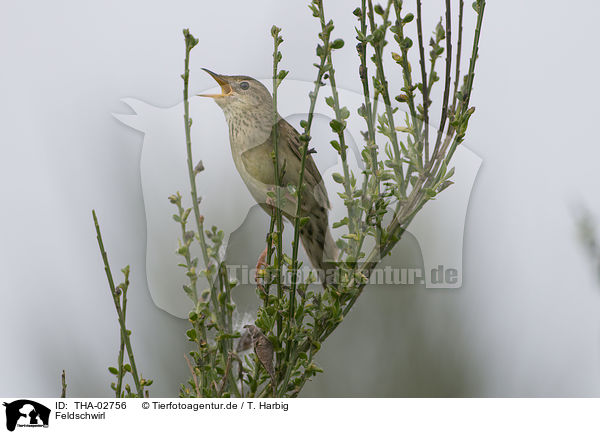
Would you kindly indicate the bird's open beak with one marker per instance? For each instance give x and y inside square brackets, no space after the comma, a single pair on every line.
[222,81]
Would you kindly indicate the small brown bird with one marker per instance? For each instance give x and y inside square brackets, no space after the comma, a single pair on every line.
[263,348]
[248,108]
[244,342]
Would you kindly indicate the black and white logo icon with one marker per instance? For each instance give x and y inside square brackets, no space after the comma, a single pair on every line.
[26,413]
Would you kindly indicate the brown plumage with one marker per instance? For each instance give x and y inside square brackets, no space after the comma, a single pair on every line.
[315,235]
[248,108]
[244,342]
[263,348]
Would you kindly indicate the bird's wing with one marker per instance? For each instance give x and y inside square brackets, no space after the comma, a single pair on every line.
[312,176]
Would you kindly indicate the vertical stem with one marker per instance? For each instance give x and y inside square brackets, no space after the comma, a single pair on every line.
[471,75]
[444,116]
[370,113]
[278,215]
[350,206]
[474,53]
[464,104]
[194,376]
[304,152]
[190,43]
[63,379]
[121,374]
[267,285]
[120,314]
[277,40]
[384,84]
[458,55]
[424,85]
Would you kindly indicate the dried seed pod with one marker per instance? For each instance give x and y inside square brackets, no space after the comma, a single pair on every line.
[199,167]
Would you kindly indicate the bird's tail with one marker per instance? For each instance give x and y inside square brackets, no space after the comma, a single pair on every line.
[320,247]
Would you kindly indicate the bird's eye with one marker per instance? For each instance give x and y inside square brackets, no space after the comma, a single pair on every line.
[244,85]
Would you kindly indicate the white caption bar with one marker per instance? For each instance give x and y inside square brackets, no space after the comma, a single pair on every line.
[289,416]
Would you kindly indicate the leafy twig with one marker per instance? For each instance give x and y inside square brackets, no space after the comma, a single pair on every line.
[193,372]
[116,294]
[424,86]
[277,78]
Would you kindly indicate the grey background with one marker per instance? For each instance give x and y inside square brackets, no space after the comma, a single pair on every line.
[525,323]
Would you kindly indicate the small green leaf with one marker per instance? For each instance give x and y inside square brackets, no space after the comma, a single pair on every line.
[402,98]
[337,177]
[191,333]
[439,32]
[341,223]
[303,221]
[188,290]
[337,126]
[337,44]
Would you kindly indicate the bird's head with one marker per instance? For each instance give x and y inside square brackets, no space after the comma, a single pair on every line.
[253,331]
[240,94]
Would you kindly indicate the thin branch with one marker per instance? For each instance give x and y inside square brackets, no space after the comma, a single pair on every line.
[305,139]
[197,387]
[408,88]
[121,317]
[277,40]
[444,116]
[63,378]
[191,42]
[463,105]
[121,373]
[370,111]
[458,56]
[226,374]
[339,126]
[266,287]
[474,53]
[424,85]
